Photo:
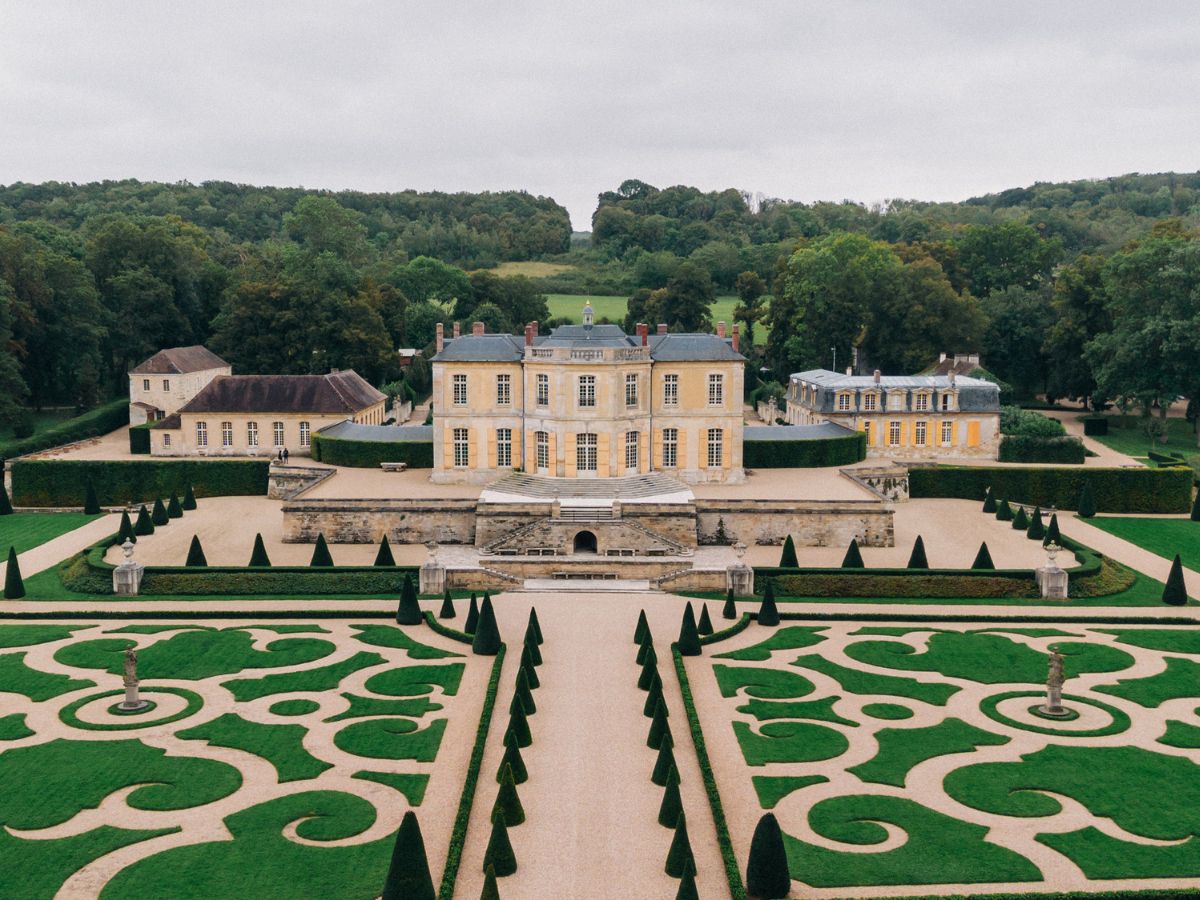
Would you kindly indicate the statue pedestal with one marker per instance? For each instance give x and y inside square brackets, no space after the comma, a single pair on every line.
[741,579]
[1053,582]
[432,578]
[132,701]
[127,578]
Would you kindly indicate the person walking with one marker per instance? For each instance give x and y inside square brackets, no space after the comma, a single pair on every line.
[285,455]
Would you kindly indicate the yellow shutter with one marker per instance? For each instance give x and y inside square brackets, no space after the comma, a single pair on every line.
[681,449]
[603,451]
[972,434]
[569,454]
[726,450]
[656,443]
[550,448]
[493,447]
[447,448]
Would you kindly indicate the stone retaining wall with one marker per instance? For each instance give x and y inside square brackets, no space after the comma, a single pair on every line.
[367,521]
[811,523]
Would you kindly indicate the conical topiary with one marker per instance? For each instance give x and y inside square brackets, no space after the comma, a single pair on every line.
[1087,503]
[767,873]
[989,502]
[1037,528]
[321,556]
[679,857]
[1195,508]
[531,644]
[517,703]
[787,559]
[490,890]
[174,510]
[408,611]
[513,762]
[689,638]
[768,612]
[658,727]
[258,556]
[499,855]
[664,763]
[125,532]
[1053,536]
[447,610]
[383,557]
[14,585]
[508,802]
[144,524]
[536,625]
[705,625]
[189,498]
[524,692]
[1020,521]
[91,503]
[487,635]
[672,804]
[649,668]
[853,558]
[917,559]
[408,876]
[159,515]
[518,725]
[529,669]
[729,610]
[687,884]
[195,555]
[5,504]
[653,696]
[1004,512]
[472,622]
[1174,591]
[983,559]
[641,629]
[645,650]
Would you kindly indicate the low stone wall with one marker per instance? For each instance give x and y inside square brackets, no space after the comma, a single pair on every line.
[674,521]
[693,580]
[367,521]
[285,482]
[887,482]
[811,523]
[625,567]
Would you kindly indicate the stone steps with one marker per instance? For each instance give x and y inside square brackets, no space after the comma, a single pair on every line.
[634,486]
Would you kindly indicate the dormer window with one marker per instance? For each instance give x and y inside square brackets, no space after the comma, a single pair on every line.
[922,402]
[947,402]
[869,402]
[843,402]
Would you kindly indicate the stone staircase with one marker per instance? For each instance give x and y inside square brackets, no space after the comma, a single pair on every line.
[627,488]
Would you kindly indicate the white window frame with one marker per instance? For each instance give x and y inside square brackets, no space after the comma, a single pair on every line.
[867,431]
[504,390]
[226,435]
[631,389]
[868,401]
[843,401]
[587,391]
[201,434]
[166,440]
[542,449]
[896,401]
[543,390]
[145,384]
[251,434]
[586,456]
[504,448]
[716,389]
[921,404]
[671,389]
[277,434]
[947,434]
[458,386]
[894,433]
[716,448]
[670,448]
[166,384]
[462,448]
[305,434]
[632,449]
[947,402]
[920,432]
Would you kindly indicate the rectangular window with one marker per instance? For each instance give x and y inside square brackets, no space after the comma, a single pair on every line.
[716,390]
[543,450]
[201,434]
[947,434]
[945,402]
[166,440]
[843,403]
[670,450]
[226,434]
[587,390]
[867,432]
[585,452]
[922,402]
[277,433]
[715,448]
[896,401]
[462,454]
[251,434]
[919,434]
[631,390]
[670,390]
[305,434]
[504,390]
[460,389]
[869,402]
[543,390]
[145,384]
[166,384]
[631,450]
[894,433]
[503,447]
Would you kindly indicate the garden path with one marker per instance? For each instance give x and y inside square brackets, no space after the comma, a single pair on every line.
[55,551]
[1124,552]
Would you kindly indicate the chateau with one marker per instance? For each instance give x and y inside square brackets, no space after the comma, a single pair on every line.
[588,401]
[169,379]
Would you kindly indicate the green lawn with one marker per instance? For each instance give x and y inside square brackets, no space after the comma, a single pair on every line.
[1125,435]
[47,418]
[28,530]
[1166,537]
[613,308]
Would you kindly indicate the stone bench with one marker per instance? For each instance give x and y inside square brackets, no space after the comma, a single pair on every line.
[393,466]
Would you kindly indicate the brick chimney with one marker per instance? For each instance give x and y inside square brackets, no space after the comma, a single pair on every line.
[476,328]
[456,329]
[877,374]
[721,330]
[736,338]
[529,335]
[643,333]
[662,327]
[441,337]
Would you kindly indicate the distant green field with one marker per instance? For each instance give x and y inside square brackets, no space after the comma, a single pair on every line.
[1164,537]
[570,306]
[1125,435]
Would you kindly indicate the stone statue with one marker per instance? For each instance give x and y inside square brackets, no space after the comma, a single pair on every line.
[1054,684]
[132,702]
[131,666]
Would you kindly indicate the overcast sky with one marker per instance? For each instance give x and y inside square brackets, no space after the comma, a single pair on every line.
[808,101]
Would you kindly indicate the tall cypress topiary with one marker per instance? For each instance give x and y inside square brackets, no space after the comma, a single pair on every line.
[144,524]
[1195,508]
[787,559]
[531,644]
[679,857]
[408,876]
[917,559]
[653,696]
[408,612]
[1087,503]
[687,884]
[5,504]
[983,559]
[525,693]
[487,635]
[641,629]
[646,649]
[1020,521]
[472,622]
[658,727]
[195,555]
[1037,528]
[1052,533]
[1174,591]
[321,558]
[125,532]
[1004,512]
[512,762]
[529,669]
[508,802]
[91,503]
[490,890]
[649,668]
[14,585]
[768,612]
[258,556]
[159,515]
[989,502]
[174,510]
[853,558]
[729,610]
[689,638]
[672,804]
[704,626]
[499,855]
[384,555]
[767,874]
[189,498]
[518,725]
[536,625]
[447,610]
[663,763]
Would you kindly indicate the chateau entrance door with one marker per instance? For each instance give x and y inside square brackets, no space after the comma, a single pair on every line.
[585,542]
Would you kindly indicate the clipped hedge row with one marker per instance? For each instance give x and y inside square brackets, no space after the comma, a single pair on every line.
[93,423]
[1033,449]
[901,583]
[1095,426]
[63,482]
[1114,490]
[369,454]
[221,581]
[834,451]
[139,438]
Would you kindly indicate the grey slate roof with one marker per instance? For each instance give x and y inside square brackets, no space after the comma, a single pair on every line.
[663,347]
[837,380]
[794,432]
[684,347]
[383,434]
[338,392]
[482,348]
[178,360]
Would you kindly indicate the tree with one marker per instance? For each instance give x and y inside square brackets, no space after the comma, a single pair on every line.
[679,857]
[1174,591]
[499,856]
[447,610]
[664,764]
[853,558]
[686,300]
[654,694]
[512,762]
[729,610]
[704,626]
[642,629]
[1020,521]
[1195,508]
[322,225]
[516,299]
[424,279]
[189,499]
[258,556]
[1018,320]
[1087,503]
[472,623]
[159,516]
[14,585]
[1037,529]
[659,729]
[408,612]
[322,558]
[689,638]
[768,612]
[750,289]
[672,805]
[525,691]
[518,726]
[384,555]
[174,510]
[687,884]
[490,890]
[917,559]
[1010,254]
[787,559]
[487,635]
[91,505]
[989,502]
[125,532]
[1052,534]
[1004,511]
[508,802]
[408,875]
[767,874]
[144,524]
[195,556]
[535,625]
[983,559]
[1081,315]
[7,510]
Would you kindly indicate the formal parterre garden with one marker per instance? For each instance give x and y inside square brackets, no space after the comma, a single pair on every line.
[918,755]
[269,756]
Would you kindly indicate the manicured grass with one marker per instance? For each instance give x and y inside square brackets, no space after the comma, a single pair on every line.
[791,638]
[1179,679]
[888,711]
[70,713]
[412,707]
[530,269]
[902,748]
[1100,856]
[1178,734]
[392,739]
[13,728]
[614,308]
[788,741]
[858,682]
[280,745]
[298,707]
[1171,640]
[392,636]
[411,786]
[761,682]
[42,421]
[820,710]
[18,678]
[28,530]
[773,788]
[28,635]
[413,681]
[325,678]
[38,868]
[1164,537]
[1125,435]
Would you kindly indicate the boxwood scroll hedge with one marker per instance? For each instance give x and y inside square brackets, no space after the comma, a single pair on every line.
[1131,490]
[63,482]
[369,454]
[808,454]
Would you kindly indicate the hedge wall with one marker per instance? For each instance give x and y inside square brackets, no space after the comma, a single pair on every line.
[63,482]
[139,438]
[1094,426]
[1115,490]
[369,454]
[1033,449]
[93,423]
[836,451]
